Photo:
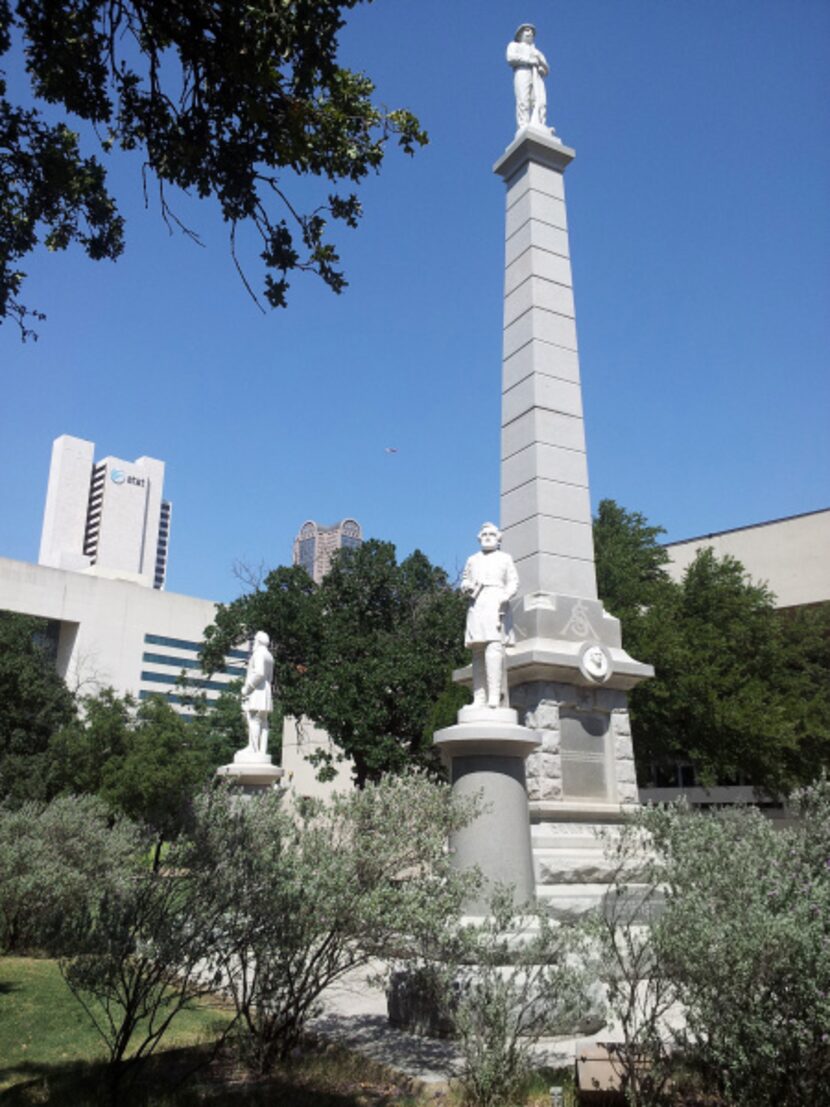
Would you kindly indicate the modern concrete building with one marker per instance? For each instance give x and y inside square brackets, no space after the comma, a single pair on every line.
[117,633]
[108,518]
[790,555]
[99,581]
[315,545]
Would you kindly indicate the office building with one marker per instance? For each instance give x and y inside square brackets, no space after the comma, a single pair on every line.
[107,518]
[790,555]
[315,545]
[99,584]
[107,633]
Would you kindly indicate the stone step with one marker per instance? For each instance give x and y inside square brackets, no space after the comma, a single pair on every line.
[568,902]
[576,866]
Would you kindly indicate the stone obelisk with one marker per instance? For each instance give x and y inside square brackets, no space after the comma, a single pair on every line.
[568,672]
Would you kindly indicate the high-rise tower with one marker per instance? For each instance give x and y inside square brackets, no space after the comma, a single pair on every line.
[315,545]
[108,517]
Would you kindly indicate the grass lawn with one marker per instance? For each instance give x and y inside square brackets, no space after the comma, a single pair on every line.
[51,1054]
[42,1025]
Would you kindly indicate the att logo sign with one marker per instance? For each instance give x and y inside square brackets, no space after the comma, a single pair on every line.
[118,476]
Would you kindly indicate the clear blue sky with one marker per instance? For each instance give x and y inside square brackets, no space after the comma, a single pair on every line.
[699,208]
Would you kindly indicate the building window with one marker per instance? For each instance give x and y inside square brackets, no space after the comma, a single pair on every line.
[183,644]
[187,663]
[169,678]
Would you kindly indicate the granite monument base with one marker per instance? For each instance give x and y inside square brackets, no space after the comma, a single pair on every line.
[253,772]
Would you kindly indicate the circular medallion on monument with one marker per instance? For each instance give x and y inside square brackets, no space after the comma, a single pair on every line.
[594,663]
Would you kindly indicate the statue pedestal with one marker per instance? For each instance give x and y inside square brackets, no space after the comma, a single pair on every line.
[485,753]
[253,772]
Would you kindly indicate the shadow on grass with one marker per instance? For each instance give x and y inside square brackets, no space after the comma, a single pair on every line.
[169,1080]
[6,987]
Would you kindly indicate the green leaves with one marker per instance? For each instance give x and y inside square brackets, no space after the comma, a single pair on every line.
[366,654]
[228,100]
[34,702]
[745,938]
[739,687]
[307,896]
[52,858]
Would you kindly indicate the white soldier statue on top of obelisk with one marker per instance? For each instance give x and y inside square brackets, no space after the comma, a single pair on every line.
[529,70]
[491,581]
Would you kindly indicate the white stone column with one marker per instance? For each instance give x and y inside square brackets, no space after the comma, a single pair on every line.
[545,504]
[568,671]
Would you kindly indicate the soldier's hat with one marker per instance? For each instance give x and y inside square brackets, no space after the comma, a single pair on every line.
[521,28]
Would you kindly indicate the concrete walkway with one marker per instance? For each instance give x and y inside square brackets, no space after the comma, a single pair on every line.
[355,1016]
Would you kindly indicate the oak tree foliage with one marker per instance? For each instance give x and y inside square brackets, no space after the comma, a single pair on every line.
[738,685]
[367,654]
[34,702]
[224,100]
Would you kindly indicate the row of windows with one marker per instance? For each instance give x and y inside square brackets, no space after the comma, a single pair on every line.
[681,774]
[170,697]
[183,644]
[187,663]
[168,678]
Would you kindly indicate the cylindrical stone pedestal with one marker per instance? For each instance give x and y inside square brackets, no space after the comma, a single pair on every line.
[485,754]
[253,772]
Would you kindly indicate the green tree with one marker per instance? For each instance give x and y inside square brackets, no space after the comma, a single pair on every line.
[738,686]
[744,935]
[717,697]
[34,703]
[155,778]
[630,563]
[52,857]
[366,654]
[225,100]
[134,954]
[286,605]
[218,727]
[79,752]
[521,976]
[306,897]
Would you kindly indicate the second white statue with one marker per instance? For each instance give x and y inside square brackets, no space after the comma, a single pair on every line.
[257,700]
[491,581]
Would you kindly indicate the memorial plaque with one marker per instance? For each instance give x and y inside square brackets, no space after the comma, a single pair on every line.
[584,759]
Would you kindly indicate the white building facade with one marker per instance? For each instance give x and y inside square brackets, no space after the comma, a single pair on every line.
[99,584]
[108,518]
[791,555]
[119,634]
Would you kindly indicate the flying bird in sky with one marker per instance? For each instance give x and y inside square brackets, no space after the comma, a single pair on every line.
[390,449]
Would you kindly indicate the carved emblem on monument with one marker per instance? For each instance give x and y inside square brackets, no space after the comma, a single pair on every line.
[579,625]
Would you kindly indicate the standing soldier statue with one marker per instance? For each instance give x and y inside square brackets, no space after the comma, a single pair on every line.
[529,70]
